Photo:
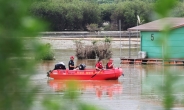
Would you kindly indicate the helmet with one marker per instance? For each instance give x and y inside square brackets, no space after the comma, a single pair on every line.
[111,59]
[72,57]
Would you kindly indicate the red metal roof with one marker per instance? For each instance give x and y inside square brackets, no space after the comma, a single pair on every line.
[157,25]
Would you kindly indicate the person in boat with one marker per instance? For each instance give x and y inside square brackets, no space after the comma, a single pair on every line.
[99,65]
[109,64]
[60,65]
[71,63]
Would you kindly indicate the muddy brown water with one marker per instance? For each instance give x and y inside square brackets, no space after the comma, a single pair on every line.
[127,93]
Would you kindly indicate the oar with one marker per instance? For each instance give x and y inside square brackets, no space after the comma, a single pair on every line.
[96,74]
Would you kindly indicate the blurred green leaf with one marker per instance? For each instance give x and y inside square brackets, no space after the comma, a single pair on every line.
[163,7]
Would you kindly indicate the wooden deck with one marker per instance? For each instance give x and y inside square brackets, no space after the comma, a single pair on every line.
[152,61]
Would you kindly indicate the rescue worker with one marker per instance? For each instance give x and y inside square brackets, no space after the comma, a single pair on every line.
[99,65]
[71,63]
[109,64]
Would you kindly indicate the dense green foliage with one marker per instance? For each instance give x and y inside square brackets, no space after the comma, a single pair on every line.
[127,12]
[67,16]
[77,14]
[17,31]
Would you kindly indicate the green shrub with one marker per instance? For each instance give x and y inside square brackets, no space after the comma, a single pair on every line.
[92,27]
[108,39]
[46,53]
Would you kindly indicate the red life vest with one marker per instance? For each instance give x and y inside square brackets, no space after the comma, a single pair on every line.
[109,66]
[99,65]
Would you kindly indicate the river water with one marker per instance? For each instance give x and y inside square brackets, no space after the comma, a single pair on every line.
[127,93]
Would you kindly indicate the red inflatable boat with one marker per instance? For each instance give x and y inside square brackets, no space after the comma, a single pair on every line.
[87,74]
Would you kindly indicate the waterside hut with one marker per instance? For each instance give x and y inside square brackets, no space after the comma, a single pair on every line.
[151,33]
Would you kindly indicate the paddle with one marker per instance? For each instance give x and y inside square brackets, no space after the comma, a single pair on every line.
[96,74]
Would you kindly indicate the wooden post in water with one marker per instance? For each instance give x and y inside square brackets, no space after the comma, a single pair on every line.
[129,45]
[120,36]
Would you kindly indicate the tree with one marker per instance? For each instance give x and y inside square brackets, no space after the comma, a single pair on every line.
[106,11]
[127,12]
[67,15]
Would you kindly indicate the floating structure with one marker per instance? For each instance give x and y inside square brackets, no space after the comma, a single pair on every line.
[152,61]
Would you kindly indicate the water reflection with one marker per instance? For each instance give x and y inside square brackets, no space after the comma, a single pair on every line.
[102,88]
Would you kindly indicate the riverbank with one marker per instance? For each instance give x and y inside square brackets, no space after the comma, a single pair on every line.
[69,43]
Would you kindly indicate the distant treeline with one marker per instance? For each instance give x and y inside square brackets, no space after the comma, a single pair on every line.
[78,14]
